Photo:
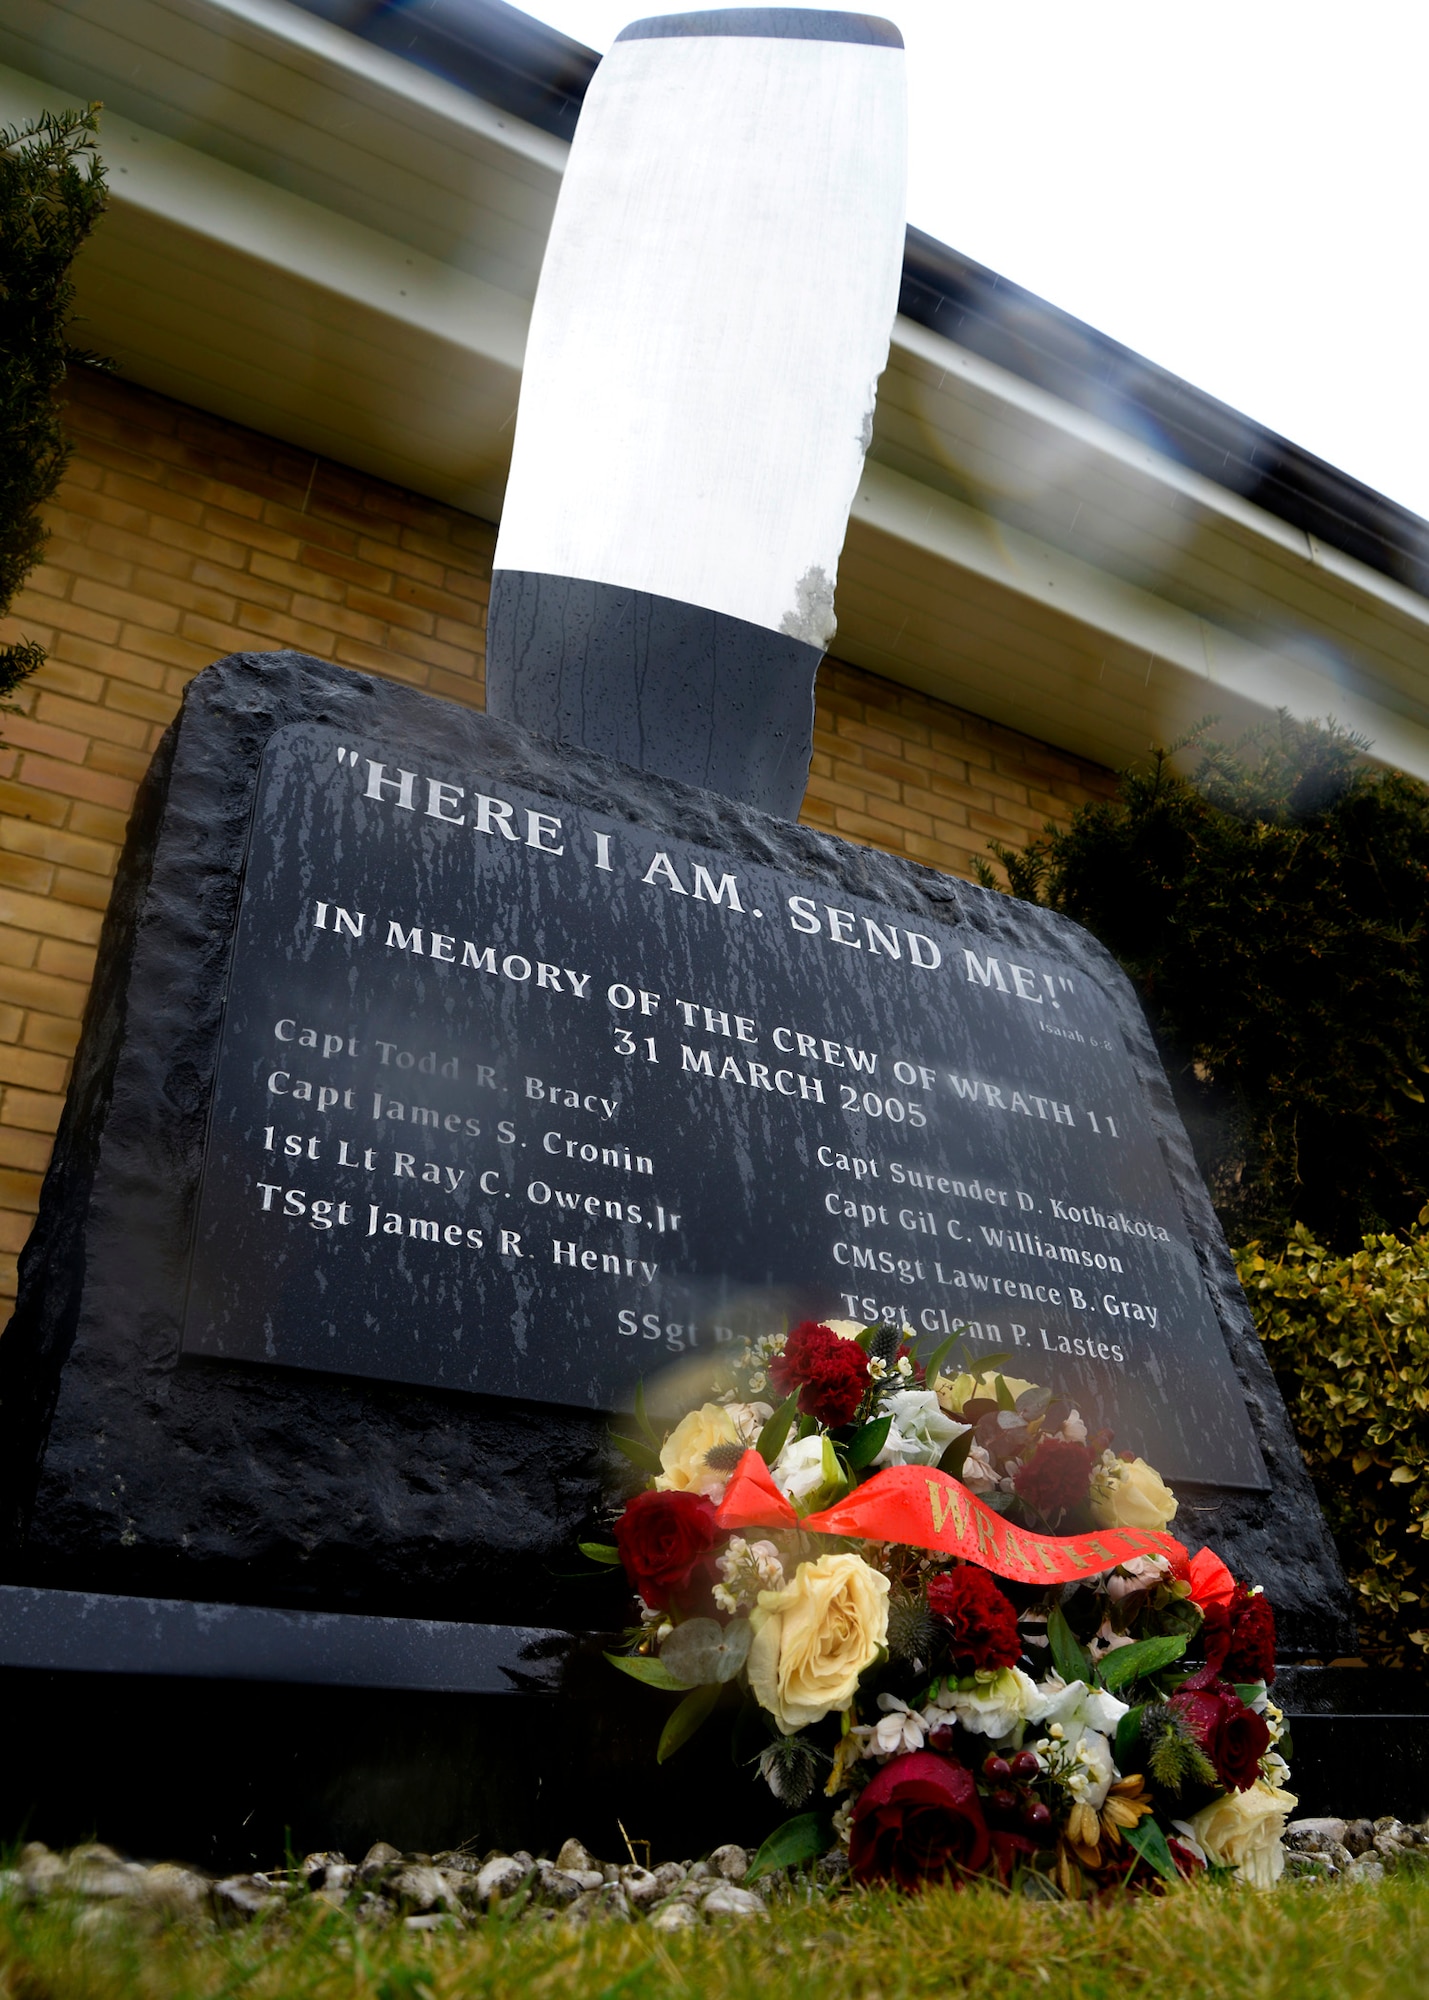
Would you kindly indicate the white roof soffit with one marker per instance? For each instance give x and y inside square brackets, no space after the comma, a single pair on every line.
[320,240]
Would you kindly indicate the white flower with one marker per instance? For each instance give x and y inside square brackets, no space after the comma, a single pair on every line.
[807,1469]
[920,1432]
[988,1704]
[1081,1720]
[1074,1430]
[980,1475]
[1137,1573]
[747,1568]
[899,1730]
[1275,1770]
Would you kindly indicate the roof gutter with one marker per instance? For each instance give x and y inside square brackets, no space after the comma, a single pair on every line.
[539,75]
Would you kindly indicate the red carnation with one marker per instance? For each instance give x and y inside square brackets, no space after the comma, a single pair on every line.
[1056,1478]
[830,1374]
[663,1538]
[1240,1637]
[982,1622]
[1233,1736]
[917,1821]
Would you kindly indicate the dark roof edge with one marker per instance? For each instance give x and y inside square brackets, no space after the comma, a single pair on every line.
[973,306]
[540,75]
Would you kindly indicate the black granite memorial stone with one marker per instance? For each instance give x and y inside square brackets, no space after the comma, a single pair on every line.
[438,1086]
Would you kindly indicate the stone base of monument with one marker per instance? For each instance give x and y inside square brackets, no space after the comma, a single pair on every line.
[229,1734]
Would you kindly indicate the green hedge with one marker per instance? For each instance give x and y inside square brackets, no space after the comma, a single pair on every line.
[1348,1338]
[1272,910]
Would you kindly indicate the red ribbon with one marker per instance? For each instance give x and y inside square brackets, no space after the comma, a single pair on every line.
[932,1510]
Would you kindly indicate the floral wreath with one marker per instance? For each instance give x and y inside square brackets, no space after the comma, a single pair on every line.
[946,1609]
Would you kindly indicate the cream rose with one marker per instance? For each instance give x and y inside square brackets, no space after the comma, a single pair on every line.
[685,1450]
[1129,1493]
[954,1390]
[815,1637]
[1242,1831]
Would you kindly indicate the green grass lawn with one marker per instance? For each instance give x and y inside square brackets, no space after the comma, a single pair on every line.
[1353,1942]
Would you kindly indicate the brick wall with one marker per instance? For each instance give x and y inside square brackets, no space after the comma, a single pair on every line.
[898,770]
[177,538]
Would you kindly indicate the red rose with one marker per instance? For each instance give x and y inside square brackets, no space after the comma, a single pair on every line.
[1240,1637]
[1233,1736]
[663,1538]
[1056,1478]
[918,1821]
[830,1374]
[982,1622]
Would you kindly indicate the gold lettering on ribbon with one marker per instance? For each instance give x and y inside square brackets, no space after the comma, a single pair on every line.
[947,1504]
[987,1534]
[1016,1551]
[1045,1556]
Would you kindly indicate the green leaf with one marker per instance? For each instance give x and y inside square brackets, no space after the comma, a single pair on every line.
[772,1438]
[983,1364]
[1067,1655]
[866,1339]
[685,1720]
[868,1442]
[1250,1691]
[956,1456]
[600,1552]
[1150,1843]
[932,1363]
[797,1841]
[641,1418]
[1127,1746]
[638,1453]
[1005,1398]
[652,1672]
[702,1650]
[1134,1663]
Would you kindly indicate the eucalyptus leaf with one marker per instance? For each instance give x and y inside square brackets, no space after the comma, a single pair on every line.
[791,1845]
[701,1650]
[772,1438]
[1032,1403]
[983,1364]
[1134,1663]
[868,1442]
[638,1453]
[1150,1843]
[652,1672]
[1068,1657]
[600,1552]
[685,1720]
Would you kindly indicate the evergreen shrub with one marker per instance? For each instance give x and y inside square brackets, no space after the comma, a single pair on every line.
[51,195]
[1348,1338]
[1272,910]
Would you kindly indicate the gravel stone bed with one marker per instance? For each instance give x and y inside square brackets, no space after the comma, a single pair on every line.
[424,1892]
[451,1891]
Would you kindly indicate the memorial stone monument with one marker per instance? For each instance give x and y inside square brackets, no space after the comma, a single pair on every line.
[446,1076]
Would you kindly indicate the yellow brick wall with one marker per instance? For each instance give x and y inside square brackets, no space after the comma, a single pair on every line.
[903,772]
[177,538]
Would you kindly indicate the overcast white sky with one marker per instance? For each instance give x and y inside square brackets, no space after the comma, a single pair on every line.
[1236,188]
